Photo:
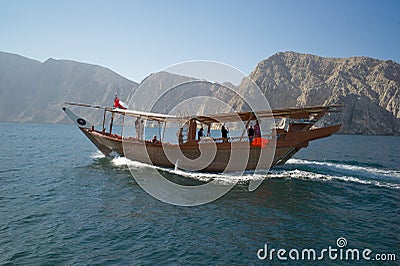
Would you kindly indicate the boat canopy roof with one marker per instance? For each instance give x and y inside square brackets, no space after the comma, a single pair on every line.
[294,113]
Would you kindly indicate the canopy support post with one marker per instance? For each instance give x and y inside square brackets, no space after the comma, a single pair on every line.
[111,122]
[163,133]
[103,129]
[245,129]
[159,129]
[123,123]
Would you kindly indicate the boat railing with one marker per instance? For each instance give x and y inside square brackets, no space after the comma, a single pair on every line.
[232,139]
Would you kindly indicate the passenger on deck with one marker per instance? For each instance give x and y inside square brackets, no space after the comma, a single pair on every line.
[250,133]
[200,134]
[137,127]
[180,135]
[257,130]
[154,139]
[224,133]
[141,129]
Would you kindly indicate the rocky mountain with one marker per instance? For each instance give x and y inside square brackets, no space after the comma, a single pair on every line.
[368,88]
[162,92]
[31,91]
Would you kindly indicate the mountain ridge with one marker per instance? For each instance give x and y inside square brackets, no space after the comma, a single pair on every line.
[369,88]
[32,91]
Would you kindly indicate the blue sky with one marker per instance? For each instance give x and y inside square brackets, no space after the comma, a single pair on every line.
[136,38]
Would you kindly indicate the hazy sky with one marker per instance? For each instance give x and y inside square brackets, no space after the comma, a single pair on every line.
[136,38]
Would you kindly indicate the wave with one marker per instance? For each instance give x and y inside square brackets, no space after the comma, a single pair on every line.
[354,162]
[293,169]
[347,169]
[367,175]
[306,175]
[204,177]
[97,155]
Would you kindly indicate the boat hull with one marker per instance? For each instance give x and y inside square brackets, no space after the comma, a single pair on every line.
[228,156]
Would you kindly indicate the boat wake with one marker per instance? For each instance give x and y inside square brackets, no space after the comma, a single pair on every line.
[347,169]
[97,155]
[327,171]
[222,178]
[293,169]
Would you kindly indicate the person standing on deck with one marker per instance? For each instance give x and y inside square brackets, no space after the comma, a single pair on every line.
[141,129]
[250,133]
[200,134]
[137,128]
[257,130]
[224,133]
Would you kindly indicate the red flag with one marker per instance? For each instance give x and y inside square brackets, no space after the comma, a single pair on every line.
[119,104]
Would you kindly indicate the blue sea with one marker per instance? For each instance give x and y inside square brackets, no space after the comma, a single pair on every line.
[63,203]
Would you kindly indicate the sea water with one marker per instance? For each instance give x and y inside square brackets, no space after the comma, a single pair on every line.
[63,202]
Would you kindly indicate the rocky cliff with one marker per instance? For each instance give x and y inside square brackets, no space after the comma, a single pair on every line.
[31,91]
[369,88]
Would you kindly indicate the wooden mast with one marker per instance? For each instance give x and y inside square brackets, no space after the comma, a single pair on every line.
[192,130]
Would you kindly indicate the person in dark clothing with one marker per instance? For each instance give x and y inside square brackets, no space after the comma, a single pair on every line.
[200,134]
[224,133]
[250,133]
[257,130]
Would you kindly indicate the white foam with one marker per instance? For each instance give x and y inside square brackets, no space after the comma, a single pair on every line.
[97,155]
[299,174]
[273,173]
[119,161]
[205,177]
[349,168]
[368,182]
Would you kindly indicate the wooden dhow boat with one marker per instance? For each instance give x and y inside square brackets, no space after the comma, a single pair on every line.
[293,130]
